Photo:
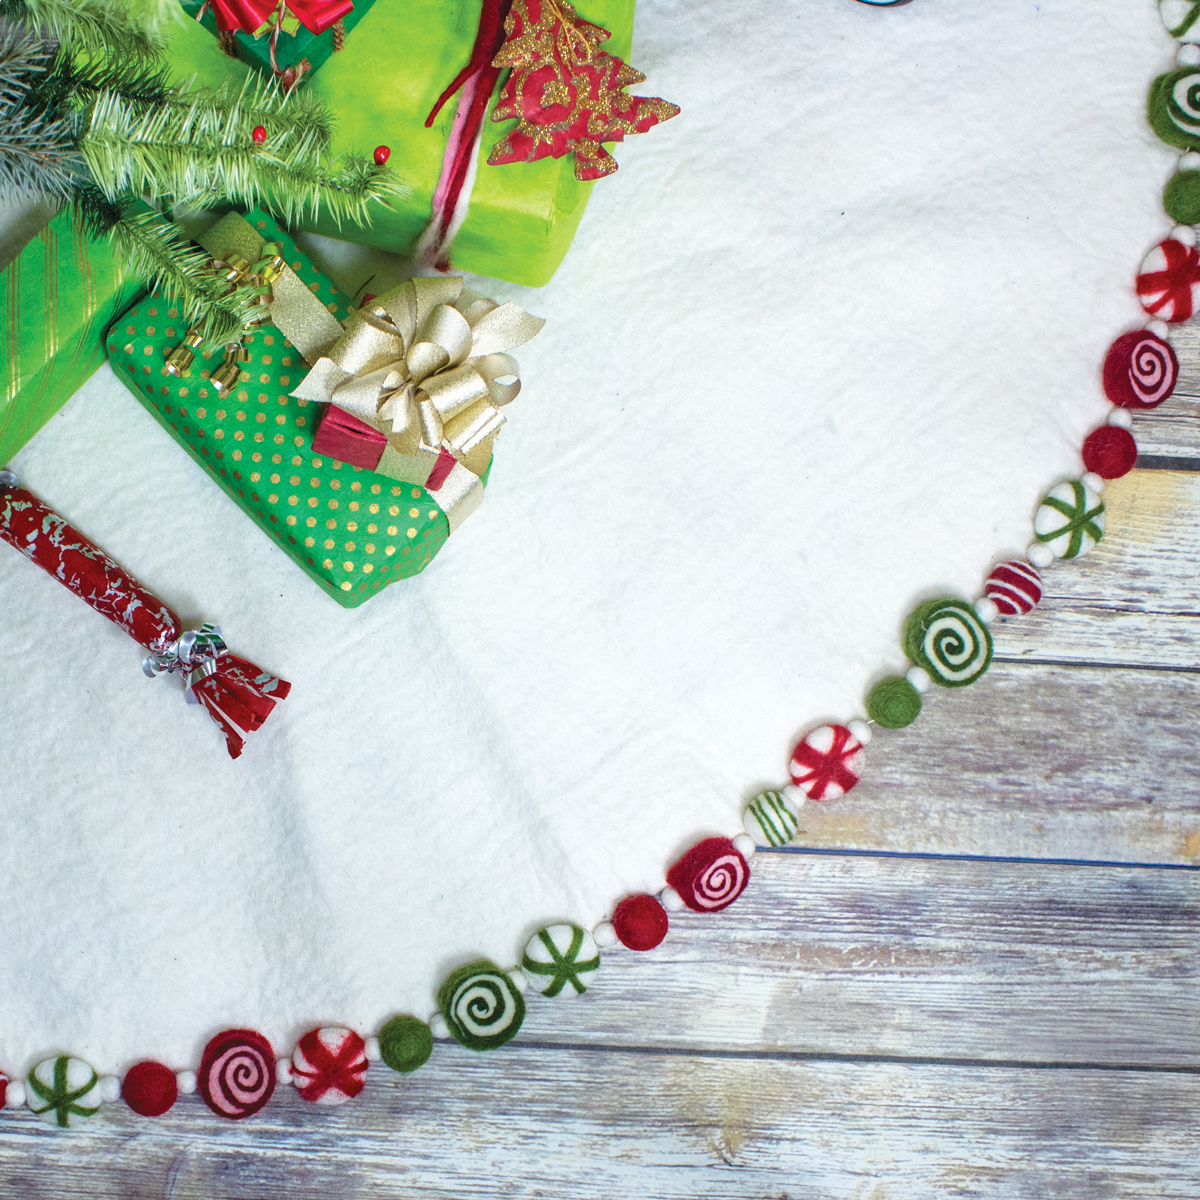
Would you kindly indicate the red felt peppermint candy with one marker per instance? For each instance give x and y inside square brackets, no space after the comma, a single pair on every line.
[827,763]
[329,1066]
[149,1089]
[710,876]
[640,922]
[1013,587]
[237,1073]
[1140,370]
[3,1089]
[1169,283]
[1110,452]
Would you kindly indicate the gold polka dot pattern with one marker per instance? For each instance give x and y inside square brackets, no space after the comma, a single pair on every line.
[257,446]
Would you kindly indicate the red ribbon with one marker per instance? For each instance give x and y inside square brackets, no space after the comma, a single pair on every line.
[251,15]
[236,694]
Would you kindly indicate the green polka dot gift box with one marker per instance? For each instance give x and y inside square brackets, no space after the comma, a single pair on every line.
[351,530]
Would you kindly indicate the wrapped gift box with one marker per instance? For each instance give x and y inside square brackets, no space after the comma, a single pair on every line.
[296,42]
[351,530]
[60,294]
[382,86]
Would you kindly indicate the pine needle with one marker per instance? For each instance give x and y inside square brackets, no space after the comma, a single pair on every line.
[95,27]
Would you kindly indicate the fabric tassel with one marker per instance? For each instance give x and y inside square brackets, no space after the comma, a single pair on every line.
[235,693]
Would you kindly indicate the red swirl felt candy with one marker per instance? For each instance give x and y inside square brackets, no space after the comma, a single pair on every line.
[640,922]
[1014,588]
[329,1066]
[710,876]
[237,1073]
[1140,370]
[1169,283]
[827,763]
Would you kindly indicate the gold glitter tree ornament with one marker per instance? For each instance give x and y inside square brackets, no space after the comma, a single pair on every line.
[565,92]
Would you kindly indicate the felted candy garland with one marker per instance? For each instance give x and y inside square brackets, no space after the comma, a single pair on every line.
[329,1066]
[237,1073]
[558,956]
[481,1006]
[234,692]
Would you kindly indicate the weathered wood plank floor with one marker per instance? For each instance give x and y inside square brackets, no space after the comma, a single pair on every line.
[976,977]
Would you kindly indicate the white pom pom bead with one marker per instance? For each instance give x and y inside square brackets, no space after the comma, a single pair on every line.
[1189,55]
[1121,417]
[1093,482]
[15,1096]
[518,979]
[860,730]
[371,1049]
[797,795]
[1040,555]
[185,1081]
[919,678]
[670,899]
[437,1026]
[283,1070]
[986,610]
[110,1089]
[1184,234]
[1189,161]
[744,845]
[604,935]
[1157,327]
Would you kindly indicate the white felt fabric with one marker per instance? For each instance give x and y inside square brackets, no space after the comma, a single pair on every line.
[818,349]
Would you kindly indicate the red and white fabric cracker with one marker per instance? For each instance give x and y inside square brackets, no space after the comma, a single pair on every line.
[827,762]
[710,876]
[329,1066]
[1169,282]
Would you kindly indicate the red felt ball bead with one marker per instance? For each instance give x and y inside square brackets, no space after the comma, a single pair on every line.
[1110,451]
[640,922]
[258,133]
[382,154]
[149,1089]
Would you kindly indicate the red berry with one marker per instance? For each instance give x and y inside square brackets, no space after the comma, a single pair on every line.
[382,154]
[258,133]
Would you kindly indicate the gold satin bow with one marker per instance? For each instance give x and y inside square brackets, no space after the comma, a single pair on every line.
[426,365]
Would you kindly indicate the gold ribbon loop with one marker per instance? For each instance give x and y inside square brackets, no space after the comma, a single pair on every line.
[427,365]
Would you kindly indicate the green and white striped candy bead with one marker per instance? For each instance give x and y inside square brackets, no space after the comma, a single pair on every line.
[63,1091]
[1070,520]
[481,1006]
[771,819]
[948,641]
[557,958]
[1182,19]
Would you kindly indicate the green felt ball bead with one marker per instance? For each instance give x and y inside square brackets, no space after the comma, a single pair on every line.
[405,1043]
[1181,198]
[894,703]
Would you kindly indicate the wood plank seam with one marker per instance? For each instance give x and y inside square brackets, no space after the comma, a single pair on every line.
[934,856]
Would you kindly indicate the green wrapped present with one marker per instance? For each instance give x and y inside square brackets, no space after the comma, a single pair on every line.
[279,38]
[521,216]
[353,531]
[60,293]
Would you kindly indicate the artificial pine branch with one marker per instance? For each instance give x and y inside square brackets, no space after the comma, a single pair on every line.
[37,155]
[72,83]
[192,156]
[23,57]
[95,27]
[150,248]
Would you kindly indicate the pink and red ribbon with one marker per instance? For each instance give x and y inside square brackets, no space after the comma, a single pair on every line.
[249,16]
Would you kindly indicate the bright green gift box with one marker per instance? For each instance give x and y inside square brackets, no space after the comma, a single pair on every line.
[351,530]
[382,86]
[60,293]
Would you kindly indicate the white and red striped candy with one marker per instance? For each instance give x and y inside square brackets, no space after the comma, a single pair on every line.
[329,1066]
[1013,587]
[1169,283]
[827,763]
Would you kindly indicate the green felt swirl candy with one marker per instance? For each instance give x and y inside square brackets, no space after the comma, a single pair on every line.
[1174,108]
[894,703]
[481,1006]
[949,641]
[63,1091]
[771,819]
[558,957]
